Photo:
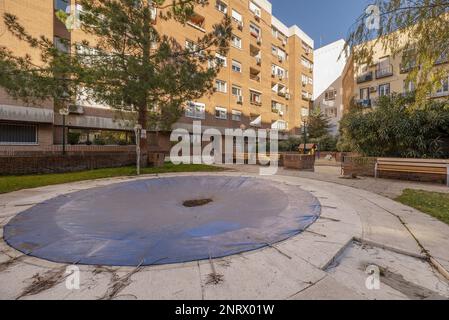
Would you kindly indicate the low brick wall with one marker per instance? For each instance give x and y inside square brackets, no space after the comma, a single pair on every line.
[45,163]
[299,161]
[360,166]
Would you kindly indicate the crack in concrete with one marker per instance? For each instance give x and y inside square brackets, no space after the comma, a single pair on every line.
[429,258]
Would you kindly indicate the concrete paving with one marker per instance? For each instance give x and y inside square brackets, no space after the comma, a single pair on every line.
[357,228]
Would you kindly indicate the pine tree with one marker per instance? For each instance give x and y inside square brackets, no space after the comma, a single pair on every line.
[130,67]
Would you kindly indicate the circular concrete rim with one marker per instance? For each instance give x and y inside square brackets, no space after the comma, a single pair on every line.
[316,215]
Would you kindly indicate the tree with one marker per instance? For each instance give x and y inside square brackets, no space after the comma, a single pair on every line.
[318,124]
[416,29]
[130,66]
[393,129]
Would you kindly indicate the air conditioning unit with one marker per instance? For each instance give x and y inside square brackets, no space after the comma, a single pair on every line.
[273,74]
[284,43]
[239,99]
[76,109]
[240,25]
[281,113]
[259,61]
[280,58]
[281,77]
[287,96]
[259,40]
[257,14]
[372,89]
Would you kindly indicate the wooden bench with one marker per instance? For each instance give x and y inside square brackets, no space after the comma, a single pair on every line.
[417,166]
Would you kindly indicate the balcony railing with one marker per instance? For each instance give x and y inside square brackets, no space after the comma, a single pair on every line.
[365,77]
[408,66]
[254,77]
[365,103]
[383,72]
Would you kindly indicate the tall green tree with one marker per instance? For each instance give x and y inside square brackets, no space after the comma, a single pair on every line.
[318,124]
[417,30]
[130,66]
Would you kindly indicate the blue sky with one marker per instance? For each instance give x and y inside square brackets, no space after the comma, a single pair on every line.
[325,19]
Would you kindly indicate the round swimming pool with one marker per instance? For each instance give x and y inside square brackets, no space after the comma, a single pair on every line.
[162,221]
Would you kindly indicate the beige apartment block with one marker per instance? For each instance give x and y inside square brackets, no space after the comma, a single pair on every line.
[266,80]
[387,75]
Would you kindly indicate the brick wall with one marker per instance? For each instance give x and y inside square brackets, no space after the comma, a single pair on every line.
[361,166]
[58,163]
[299,161]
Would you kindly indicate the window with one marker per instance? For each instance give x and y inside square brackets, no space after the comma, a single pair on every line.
[236,115]
[444,88]
[306,63]
[237,16]
[221,113]
[61,5]
[236,91]
[61,45]
[331,112]
[384,90]
[254,30]
[409,86]
[196,110]
[18,134]
[193,48]
[236,42]
[221,86]
[221,6]
[255,9]
[278,71]
[330,95]
[221,60]
[255,97]
[364,94]
[236,66]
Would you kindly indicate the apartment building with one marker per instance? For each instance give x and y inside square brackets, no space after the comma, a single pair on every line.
[266,80]
[328,89]
[387,75]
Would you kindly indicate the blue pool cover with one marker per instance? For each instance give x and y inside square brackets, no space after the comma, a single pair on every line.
[144,222]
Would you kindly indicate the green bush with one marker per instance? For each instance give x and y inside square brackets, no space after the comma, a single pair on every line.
[396,129]
[73,138]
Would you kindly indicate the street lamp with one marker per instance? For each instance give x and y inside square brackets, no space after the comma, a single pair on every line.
[138,132]
[305,114]
[63,112]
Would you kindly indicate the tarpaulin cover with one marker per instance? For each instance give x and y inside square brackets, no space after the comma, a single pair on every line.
[144,222]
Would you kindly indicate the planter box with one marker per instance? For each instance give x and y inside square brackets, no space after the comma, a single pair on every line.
[299,162]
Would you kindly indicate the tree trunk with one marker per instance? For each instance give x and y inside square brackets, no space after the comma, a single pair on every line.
[143,121]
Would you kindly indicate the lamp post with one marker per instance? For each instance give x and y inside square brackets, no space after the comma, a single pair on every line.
[305,114]
[63,112]
[138,132]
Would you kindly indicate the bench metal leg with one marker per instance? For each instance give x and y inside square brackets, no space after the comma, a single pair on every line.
[447,176]
[375,170]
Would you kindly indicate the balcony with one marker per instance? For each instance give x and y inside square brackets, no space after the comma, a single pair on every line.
[406,67]
[444,58]
[384,71]
[197,21]
[254,74]
[368,76]
[365,103]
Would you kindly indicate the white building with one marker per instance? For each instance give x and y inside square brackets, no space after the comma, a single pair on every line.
[328,90]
